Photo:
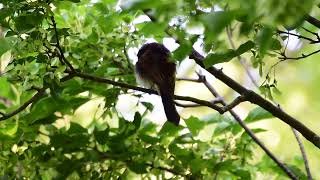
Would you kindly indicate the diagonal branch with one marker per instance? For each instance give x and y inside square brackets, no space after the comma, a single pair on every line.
[258,100]
[293,130]
[312,21]
[255,98]
[202,79]
[34,98]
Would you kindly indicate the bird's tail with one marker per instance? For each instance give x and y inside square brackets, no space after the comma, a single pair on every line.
[169,106]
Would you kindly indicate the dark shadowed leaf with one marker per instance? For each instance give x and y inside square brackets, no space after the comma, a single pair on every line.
[138,167]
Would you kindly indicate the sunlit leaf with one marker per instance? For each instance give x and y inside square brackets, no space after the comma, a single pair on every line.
[258,114]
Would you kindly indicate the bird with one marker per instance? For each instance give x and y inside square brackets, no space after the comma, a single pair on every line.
[156,70]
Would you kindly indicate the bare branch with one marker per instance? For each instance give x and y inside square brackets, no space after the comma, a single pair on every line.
[303,152]
[284,57]
[255,98]
[215,101]
[61,54]
[312,21]
[258,100]
[34,98]
[315,34]
[299,36]
[150,91]
[234,103]
[255,83]
[188,79]
[246,128]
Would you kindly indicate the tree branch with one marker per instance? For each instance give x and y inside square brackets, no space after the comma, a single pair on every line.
[34,98]
[234,103]
[303,152]
[298,36]
[202,79]
[255,98]
[61,54]
[312,21]
[255,83]
[258,100]
[284,57]
[128,86]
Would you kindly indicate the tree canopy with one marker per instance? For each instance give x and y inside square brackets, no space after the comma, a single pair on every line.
[65,65]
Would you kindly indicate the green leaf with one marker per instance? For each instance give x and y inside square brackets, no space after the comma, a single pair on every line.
[275,44]
[216,58]
[182,51]
[41,109]
[258,114]
[264,39]
[169,129]
[140,4]
[108,23]
[137,120]
[194,125]
[242,174]
[101,136]
[5,45]
[6,89]
[215,22]
[148,105]
[152,29]
[27,22]
[245,47]
[138,167]
[93,37]
[180,152]
[8,128]
[198,164]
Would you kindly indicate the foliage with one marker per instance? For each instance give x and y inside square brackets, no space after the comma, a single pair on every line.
[43,36]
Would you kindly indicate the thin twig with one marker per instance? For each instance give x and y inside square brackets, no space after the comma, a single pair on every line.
[303,152]
[215,101]
[61,54]
[284,57]
[315,34]
[299,36]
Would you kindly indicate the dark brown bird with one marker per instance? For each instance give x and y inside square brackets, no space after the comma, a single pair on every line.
[155,69]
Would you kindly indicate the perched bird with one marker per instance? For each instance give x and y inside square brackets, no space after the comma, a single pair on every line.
[155,70]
